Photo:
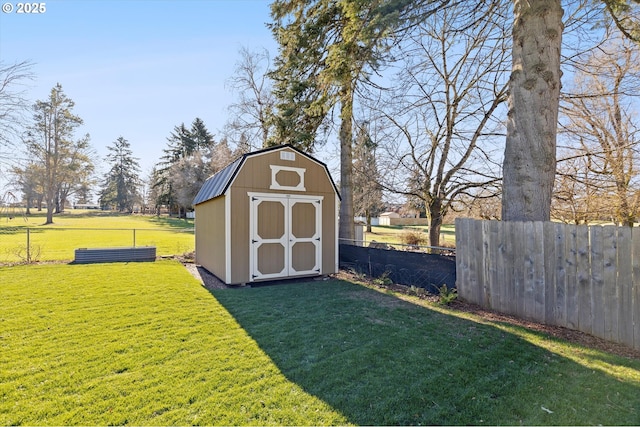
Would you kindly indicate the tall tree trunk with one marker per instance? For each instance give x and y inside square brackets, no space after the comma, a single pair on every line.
[435,222]
[58,203]
[530,154]
[346,231]
[624,213]
[50,199]
[50,209]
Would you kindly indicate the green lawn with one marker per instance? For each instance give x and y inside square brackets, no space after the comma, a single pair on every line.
[392,234]
[144,343]
[81,229]
[138,344]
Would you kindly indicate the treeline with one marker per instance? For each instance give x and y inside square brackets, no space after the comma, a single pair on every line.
[61,166]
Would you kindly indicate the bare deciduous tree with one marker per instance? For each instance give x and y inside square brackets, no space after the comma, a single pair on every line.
[575,195]
[249,114]
[601,124]
[443,131]
[13,104]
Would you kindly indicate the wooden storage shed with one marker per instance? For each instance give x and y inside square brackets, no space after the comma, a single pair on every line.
[270,214]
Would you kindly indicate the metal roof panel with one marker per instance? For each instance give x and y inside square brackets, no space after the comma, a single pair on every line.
[217,184]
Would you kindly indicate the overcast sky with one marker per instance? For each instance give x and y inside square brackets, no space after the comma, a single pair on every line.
[136,68]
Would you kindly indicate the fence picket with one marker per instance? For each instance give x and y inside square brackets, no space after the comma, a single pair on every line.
[492,252]
[555,280]
[530,278]
[517,261]
[635,294]
[583,272]
[609,282]
[462,265]
[625,284]
[539,271]
[477,264]
[581,277]
[504,271]
[571,319]
[597,280]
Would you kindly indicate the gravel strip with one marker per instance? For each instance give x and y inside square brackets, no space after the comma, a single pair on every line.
[207,279]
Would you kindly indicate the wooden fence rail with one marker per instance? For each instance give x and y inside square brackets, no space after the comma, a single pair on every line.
[585,278]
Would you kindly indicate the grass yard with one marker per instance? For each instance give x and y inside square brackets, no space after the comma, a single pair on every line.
[146,344]
[139,343]
[392,234]
[81,229]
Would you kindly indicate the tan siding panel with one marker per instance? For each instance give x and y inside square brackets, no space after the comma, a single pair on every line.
[329,233]
[210,231]
[255,176]
[239,235]
[270,220]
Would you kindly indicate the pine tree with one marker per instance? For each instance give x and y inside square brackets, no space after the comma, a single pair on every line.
[184,146]
[50,143]
[367,192]
[327,48]
[120,188]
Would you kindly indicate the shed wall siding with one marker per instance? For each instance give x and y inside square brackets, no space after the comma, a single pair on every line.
[239,234]
[230,262]
[329,227]
[255,176]
[210,228]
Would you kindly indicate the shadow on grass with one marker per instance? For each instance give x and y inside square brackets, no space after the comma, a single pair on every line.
[12,230]
[383,361]
[170,222]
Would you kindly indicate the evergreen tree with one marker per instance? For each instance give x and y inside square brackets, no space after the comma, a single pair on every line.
[367,193]
[120,187]
[50,143]
[327,48]
[184,145]
[200,135]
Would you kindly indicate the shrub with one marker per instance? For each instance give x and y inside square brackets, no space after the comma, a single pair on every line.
[384,279]
[414,238]
[447,295]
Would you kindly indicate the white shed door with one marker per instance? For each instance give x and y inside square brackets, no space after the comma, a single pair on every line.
[285,233]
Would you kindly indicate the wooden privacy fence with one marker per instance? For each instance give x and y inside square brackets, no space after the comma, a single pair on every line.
[585,278]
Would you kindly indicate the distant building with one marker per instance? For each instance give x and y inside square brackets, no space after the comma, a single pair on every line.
[86,206]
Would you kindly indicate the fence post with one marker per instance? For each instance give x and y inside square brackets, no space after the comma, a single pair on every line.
[134,237]
[28,246]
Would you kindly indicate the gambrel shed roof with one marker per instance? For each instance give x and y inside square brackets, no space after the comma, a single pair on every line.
[217,184]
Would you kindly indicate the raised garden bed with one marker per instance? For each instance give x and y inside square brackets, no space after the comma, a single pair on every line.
[121,254]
